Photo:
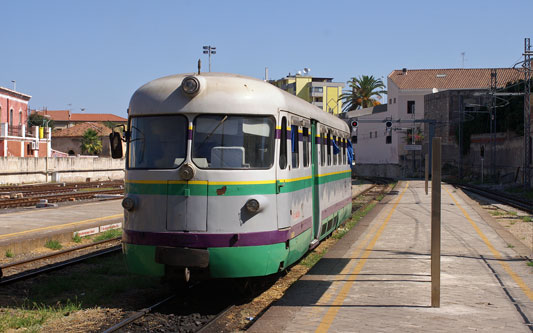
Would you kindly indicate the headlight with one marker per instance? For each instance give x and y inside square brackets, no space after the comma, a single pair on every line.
[190,85]
[128,204]
[253,206]
[186,172]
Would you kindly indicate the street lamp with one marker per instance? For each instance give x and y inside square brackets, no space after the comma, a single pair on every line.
[210,50]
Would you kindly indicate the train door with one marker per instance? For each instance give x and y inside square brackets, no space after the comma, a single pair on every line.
[283,172]
[315,137]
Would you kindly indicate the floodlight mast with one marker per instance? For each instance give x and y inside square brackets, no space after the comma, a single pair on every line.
[208,49]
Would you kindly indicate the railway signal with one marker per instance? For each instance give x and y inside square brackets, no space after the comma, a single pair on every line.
[353,124]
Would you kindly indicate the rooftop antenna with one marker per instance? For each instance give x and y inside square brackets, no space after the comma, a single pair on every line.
[14,85]
[199,66]
[463,57]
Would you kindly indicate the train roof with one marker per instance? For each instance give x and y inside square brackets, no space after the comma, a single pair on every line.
[224,93]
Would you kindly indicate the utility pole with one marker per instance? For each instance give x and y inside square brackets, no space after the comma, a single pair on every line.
[461,112]
[527,110]
[493,85]
[208,49]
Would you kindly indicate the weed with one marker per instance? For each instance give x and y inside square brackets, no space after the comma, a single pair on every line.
[530,263]
[497,213]
[76,238]
[53,244]
[113,233]
[9,253]
[510,246]
[527,218]
[31,317]
[312,258]
[513,213]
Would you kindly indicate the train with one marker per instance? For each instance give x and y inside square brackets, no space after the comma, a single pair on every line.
[228,176]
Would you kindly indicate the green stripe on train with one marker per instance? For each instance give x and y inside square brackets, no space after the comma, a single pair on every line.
[228,190]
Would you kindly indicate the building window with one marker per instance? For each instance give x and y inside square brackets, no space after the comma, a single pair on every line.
[388,139]
[376,134]
[317,89]
[390,100]
[371,135]
[410,107]
[394,100]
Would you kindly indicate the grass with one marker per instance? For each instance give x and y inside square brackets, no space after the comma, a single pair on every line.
[530,263]
[497,213]
[113,233]
[30,318]
[510,246]
[313,257]
[9,253]
[527,218]
[53,244]
[76,238]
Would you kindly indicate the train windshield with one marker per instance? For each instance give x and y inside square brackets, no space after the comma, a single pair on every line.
[157,142]
[233,142]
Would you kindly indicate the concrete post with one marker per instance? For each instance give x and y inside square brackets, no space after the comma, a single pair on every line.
[427,172]
[435,223]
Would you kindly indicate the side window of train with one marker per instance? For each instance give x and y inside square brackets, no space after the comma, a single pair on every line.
[283,144]
[335,155]
[305,152]
[329,147]
[323,149]
[344,143]
[295,146]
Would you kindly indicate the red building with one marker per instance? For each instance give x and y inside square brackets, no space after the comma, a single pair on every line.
[15,139]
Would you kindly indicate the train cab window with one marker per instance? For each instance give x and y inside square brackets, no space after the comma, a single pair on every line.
[305,152]
[154,143]
[329,147]
[233,142]
[283,144]
[295,146]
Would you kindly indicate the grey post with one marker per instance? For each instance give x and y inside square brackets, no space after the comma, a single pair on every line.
[435,222]
[427,172]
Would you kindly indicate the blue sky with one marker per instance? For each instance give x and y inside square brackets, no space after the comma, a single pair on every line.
[95,54]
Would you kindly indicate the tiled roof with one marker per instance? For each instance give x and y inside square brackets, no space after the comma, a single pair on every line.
[458,78]
[96,117]
[80,129]
[65,115]
[56,115]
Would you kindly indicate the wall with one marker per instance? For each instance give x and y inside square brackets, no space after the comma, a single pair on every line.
[16,170]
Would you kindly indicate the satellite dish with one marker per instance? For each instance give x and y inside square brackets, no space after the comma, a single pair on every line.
[299,72]
[435,90]
[307,70]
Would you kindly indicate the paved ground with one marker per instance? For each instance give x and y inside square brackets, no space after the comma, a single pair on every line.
[25,228]
[378,277]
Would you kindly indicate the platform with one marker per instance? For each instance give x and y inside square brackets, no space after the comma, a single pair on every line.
[29,228]
[378,277]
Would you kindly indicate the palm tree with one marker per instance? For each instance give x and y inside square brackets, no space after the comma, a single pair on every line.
[90,142]
[362,92]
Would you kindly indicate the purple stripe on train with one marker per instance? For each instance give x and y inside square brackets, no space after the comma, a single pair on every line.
[332,209]
[205,240]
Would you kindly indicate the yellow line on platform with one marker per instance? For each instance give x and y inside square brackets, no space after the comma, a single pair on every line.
[329,317]
[62,225]
[495,252]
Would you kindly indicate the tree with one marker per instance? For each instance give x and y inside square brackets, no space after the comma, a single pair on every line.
[362,92]
[36,119]
[90,142]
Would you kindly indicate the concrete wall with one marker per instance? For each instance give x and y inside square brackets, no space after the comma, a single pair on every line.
[17,170]
[378,170]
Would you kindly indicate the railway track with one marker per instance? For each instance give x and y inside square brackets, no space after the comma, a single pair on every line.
[22,272]
[53,198]
[35,188]
[505,198]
